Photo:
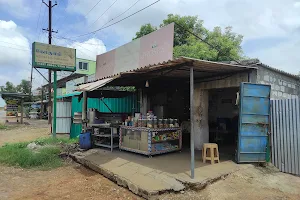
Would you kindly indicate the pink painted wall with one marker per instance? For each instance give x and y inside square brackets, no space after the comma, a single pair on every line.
[150,49]
[157,46]
[105,64]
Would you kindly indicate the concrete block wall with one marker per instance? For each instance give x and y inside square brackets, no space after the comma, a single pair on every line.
[282,86]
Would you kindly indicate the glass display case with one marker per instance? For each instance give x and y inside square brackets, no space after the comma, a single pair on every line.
[150,141]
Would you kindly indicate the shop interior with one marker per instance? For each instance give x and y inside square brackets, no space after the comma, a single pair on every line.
[168,103]
[223,120]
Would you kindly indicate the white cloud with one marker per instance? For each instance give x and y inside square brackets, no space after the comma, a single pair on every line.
[17,8]
[15,49]
[284,56]
[15,54]
[269,18]
[89,49]
[266,19]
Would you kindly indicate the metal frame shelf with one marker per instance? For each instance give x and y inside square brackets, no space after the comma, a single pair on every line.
[112,135]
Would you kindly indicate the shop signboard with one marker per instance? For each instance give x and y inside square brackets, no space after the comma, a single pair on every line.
[11,107]
[53,57]
[150,49]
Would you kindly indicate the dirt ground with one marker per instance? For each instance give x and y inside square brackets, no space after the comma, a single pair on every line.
[70,182]
[76,182]
[22,133]
[254,183]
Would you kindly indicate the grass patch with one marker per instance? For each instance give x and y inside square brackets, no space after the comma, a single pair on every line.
[46,157]
[7,127]
[53,141]
[3,127]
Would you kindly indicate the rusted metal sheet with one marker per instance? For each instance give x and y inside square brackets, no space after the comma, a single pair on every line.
[285,135]
[253,122]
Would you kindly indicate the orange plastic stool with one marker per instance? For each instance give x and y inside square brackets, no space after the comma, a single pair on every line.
[212,154]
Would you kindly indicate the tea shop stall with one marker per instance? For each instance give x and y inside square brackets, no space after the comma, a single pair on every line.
[148,129]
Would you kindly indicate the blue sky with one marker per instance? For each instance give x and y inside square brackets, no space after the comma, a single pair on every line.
[271,28]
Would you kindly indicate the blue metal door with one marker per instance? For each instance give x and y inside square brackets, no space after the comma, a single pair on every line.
[253,122]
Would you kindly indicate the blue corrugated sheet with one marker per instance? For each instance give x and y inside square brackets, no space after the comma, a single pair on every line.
[117,105]
[254,122]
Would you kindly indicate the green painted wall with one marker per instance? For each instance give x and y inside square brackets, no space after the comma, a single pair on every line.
[91,66]
[117,105]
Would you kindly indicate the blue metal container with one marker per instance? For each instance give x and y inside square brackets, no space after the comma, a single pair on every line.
[85,141]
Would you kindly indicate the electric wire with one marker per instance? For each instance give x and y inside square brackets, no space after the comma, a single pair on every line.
[121,13]
[212,46]
[92,32]
[92,8]
[103,13]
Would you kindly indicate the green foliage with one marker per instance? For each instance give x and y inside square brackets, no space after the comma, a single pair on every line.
[9,87]
[224,45]
[53,141]
[24,87]
[191,23]
[17,154]
[144,30]
[7,127]
[3,127]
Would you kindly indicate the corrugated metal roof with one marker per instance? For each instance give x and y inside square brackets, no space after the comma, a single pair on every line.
[69,95]
[256,62]
[184,63]
[95,85]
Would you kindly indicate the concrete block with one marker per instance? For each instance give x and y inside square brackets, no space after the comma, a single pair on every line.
[284,83]
[266,77]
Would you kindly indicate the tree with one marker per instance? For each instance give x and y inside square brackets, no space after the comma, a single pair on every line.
[144,30]
[24,87]
[9,87]
[215,45]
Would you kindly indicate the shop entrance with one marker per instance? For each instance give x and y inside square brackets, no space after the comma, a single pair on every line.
[223,114]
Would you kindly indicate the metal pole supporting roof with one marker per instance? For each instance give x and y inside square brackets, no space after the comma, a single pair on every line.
[192,122]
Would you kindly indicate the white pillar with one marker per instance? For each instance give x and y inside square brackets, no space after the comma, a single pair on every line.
[201,128]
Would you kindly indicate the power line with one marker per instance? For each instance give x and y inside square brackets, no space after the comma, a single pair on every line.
[64,12]
[63,38]
[112,19]
[212,46]
[37,23]
[117,21]
[104,12]
[92,8]
[43,21]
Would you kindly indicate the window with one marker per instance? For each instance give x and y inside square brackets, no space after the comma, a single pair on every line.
[83,66]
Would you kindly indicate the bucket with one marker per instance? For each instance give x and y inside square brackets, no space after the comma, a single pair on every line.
[85,140]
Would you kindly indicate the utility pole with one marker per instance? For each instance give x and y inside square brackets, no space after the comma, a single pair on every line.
[49,29]
[31,82]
